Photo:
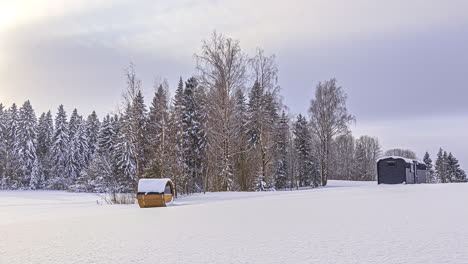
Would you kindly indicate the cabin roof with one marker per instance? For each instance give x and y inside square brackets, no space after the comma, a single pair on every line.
[152,185]
[411,161]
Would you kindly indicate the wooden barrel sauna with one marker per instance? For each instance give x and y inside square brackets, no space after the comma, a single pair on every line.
[155,193]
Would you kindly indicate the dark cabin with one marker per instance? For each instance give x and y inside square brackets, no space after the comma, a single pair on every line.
[396,170]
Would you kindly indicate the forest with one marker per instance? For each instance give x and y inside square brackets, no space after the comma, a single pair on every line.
[224,129]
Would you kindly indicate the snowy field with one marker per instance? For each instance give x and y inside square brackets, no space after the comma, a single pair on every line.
[342,223]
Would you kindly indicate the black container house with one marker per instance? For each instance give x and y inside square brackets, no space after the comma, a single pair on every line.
[395,170]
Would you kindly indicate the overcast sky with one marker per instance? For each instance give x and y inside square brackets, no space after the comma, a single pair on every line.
[403,63]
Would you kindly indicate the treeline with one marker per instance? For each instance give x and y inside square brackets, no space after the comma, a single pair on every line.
[224,129]
[446,169]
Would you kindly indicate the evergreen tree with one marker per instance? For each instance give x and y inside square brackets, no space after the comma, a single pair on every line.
[431,177]
[27,143]
[157,133]
[177,131]
[282,162]
[92,131]
[79,151]
[12,158]
[44,147]
[126,150]
[454,172]
[3,147]
[194,137]
[60,152]
[242,157]
[441,166]
[307,173]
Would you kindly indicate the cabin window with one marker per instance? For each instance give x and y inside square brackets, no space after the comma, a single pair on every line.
[391,163]
[167,190]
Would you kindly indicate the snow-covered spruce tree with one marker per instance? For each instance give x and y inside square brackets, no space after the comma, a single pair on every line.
[12,158]
[102,174]
[126,152]
[281,153]
[177,139]
[78,153]
[132,141]
[454,172]
[441,166]
[60,179]
[3,147]
[157,133]
[27,143]
[306,171]
[44,147]
[194,137]
[431,177]
[92,131]
[242,157]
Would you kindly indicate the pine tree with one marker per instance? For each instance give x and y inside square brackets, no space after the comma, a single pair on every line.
[306,170]
[79,151]
[157,133]
[12,158]
[92,131]
[126,150]
[44,147]
[454,172]
[441,166]
[102,174]
[3,147]
[242,157]
[60,152]
[177,131]
[430,171]
[282,162]
[194,137]
[27,142]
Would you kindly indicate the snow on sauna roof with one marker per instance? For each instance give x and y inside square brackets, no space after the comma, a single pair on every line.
[152,185]
[405,159]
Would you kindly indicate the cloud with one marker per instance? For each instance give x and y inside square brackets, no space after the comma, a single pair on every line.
[399,61]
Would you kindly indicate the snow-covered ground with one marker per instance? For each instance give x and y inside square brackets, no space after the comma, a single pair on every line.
[343,223]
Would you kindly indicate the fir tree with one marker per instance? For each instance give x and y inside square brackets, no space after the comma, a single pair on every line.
[92,131]
[242,160]
[3,147]
[60,152]
[430,171]
[27,143]
[282,164]
[306,169]
[157,133]
[454,172]
[194,137]
[44,147]
[12,158]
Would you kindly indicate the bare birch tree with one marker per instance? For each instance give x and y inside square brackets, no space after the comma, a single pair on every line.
[222,70]
[329,118]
